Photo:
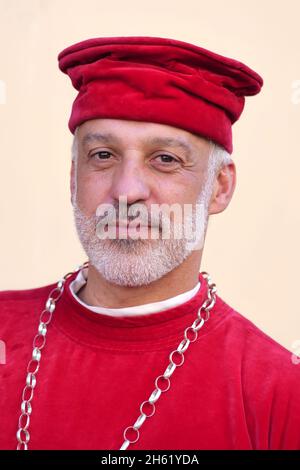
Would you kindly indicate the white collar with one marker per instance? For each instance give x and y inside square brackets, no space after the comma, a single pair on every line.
[153,307]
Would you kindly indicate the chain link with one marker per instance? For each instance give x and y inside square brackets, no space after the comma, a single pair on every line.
[39,341]
[23,435]
[207,305]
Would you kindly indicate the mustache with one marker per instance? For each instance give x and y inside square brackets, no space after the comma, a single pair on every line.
[112,217]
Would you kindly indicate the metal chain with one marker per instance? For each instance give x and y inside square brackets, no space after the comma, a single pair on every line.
[39,342]
[207,305]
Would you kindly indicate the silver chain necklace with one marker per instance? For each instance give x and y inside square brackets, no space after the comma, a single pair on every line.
[39,342]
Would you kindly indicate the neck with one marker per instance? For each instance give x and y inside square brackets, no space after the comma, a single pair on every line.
[99,292]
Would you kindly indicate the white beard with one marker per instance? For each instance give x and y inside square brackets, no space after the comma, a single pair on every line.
[137,262]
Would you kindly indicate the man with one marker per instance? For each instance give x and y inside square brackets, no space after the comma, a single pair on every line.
[135,349]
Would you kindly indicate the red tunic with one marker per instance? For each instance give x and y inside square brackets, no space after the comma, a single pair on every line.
[237,388]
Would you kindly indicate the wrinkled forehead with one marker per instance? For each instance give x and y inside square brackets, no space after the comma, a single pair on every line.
[126,132]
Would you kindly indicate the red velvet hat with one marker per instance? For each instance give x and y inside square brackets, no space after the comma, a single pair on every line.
[158,80]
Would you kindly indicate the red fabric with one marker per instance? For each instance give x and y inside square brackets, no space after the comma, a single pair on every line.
[237,389]
[158,80]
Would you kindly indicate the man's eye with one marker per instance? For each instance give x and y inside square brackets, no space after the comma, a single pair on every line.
[103,154]
[167,158]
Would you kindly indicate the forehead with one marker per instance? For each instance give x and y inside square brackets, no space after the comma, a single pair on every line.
[119,131]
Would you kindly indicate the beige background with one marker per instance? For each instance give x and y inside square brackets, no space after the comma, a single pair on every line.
[251,249]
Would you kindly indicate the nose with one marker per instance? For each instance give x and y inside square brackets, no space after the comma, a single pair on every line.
[130,180]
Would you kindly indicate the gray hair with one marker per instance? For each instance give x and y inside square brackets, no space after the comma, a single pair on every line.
[74,147]
[218,158]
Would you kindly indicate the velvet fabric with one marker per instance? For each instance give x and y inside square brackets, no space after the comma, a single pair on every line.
[158,80]
[237,388]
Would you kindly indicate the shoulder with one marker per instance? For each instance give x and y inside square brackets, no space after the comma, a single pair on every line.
[20,311]
[251,335]
[10,298]
[263,360]
[22,304]
[269,378]
[23,294]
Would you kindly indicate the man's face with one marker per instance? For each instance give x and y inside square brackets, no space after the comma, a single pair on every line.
[148,164]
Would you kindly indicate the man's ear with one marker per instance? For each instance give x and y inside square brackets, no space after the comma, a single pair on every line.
[223,190]
[72,181]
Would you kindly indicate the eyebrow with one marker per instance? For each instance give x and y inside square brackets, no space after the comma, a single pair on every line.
[98,137]
[166,141]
